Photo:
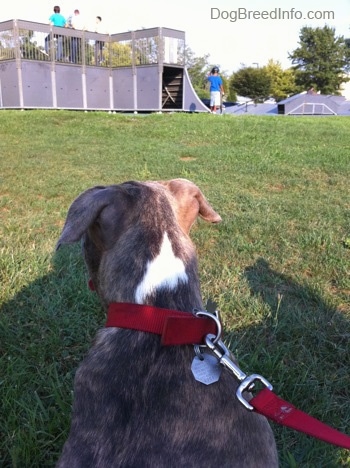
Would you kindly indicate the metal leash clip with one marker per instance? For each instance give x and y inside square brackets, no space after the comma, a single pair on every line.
[247,382]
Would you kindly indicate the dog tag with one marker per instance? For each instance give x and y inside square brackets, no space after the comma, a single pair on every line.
[206,369]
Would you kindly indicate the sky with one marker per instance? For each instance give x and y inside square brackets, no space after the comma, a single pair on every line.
[233,33]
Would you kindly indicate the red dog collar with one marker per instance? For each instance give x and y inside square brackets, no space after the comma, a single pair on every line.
[174,326]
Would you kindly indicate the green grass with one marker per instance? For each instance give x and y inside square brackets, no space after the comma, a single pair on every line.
[278,264]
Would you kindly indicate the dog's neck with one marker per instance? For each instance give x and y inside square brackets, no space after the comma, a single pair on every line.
[166,271]
[166,276]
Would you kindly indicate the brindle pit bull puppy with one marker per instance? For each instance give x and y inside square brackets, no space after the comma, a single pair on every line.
[136,402]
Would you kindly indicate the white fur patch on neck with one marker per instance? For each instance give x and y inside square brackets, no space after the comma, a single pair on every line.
[165,271]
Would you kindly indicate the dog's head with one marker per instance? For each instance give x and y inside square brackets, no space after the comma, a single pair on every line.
[124,227]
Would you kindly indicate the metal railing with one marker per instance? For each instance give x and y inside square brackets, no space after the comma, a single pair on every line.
[27,40]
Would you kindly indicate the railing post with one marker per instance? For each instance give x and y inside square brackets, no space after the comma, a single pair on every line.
[134,71]
[110,77]
[160,60]
[18,63]
[52,46]
[83,69]
[52,55]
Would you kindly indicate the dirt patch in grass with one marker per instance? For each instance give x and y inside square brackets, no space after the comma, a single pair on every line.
[187,158]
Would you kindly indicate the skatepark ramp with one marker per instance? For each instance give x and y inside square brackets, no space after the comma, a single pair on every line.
[46,67]
[311,104]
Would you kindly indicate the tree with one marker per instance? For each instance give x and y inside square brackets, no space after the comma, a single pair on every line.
[282,81]
[321,60]
[197,69]
[251,82]
[28,46]
[118,54]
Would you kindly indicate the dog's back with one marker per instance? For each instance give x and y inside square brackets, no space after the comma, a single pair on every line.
[136,403]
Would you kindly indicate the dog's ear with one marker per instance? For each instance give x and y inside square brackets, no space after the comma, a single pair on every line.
[87,207]
[81,214]
[190,203]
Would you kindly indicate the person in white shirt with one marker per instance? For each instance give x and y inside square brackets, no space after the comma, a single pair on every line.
[76,22]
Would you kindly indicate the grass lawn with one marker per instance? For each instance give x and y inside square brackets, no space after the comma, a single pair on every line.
[278,264]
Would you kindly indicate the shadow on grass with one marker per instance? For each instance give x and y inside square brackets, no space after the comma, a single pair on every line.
[45,330]
[304,344]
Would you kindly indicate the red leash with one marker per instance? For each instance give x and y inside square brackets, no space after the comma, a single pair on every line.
[180,328]
[284,413]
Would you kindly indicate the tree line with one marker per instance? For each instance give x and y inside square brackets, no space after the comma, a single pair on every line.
[321,61]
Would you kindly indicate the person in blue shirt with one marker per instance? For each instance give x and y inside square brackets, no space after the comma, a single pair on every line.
[58,20]
[216,89]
